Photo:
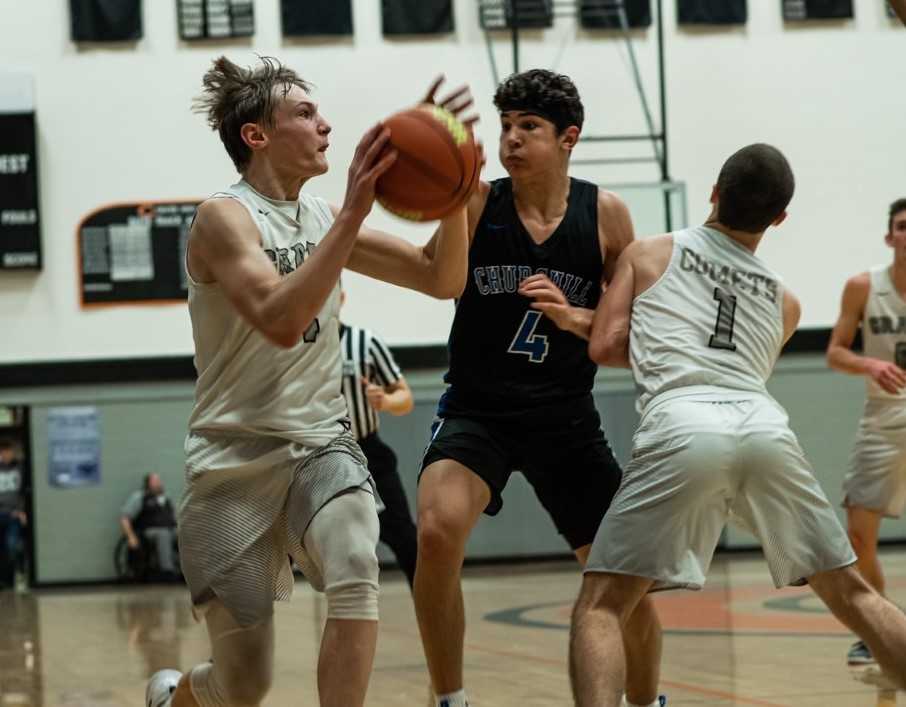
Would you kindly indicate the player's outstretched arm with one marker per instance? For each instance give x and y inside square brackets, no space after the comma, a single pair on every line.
[225,247]
[608,344]
[438,268]
[840,356]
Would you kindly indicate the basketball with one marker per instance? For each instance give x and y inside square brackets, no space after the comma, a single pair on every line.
[436,166]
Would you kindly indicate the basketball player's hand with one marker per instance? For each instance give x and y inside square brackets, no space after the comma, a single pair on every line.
[376,395]
[372,158]
[456,102]
[549,299]
[888,375]
[133,542]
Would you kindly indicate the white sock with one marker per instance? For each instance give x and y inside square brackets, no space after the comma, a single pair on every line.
[453,699]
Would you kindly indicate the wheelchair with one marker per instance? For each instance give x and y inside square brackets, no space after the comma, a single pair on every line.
[139,565]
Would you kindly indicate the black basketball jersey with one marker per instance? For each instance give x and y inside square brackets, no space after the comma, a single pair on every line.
[505,357]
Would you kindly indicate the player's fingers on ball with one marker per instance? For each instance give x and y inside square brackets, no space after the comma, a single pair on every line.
[383,164]
[460,105]
[460,95]
[435,84]
[368,139]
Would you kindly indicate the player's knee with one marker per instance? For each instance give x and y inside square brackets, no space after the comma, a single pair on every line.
[440,535]
[351,585]
[351,573]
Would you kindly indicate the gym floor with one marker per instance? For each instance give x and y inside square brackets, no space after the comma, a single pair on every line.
[738,642]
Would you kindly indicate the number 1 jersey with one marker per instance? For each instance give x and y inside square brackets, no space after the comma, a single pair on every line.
[507,359]
[714,318]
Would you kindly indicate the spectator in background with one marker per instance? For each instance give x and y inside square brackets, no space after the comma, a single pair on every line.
[149,513]
[12,511]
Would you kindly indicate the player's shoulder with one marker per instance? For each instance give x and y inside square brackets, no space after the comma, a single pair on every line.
[860,282]
[857,289]
[220,214]
[649,246]
[610,202]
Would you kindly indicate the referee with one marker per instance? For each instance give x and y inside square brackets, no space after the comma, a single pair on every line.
[373,383]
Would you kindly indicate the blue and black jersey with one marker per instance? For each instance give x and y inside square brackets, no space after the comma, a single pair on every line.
[506,358]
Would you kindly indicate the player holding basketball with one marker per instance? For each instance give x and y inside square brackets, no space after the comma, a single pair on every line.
[701,321]
[272,469]
[520,380]
[876,483]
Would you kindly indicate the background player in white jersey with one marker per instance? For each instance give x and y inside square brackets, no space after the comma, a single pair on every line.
[875,485]
[701,321]
[271,467]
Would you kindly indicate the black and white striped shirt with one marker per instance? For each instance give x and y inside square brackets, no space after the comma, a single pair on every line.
[364,355]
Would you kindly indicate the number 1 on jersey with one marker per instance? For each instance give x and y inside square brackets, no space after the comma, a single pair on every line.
[527,342]
[722,338]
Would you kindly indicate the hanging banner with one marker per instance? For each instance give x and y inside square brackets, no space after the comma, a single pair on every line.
[20,242]
[74,444]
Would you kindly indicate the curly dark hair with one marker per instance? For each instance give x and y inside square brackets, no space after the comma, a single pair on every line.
[552,96]
[895,208]
[234,95]
[755,186]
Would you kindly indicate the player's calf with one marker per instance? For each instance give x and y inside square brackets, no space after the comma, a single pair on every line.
[869,615]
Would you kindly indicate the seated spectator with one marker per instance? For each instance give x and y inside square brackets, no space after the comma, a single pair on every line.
[148,513]
[12,512]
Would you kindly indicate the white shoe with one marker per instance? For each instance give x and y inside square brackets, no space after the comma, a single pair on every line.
[161,687]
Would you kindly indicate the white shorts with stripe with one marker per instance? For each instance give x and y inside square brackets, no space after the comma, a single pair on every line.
[876,479]
[246,507]
[699,459]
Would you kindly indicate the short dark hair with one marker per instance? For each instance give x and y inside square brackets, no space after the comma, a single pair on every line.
[754,187]
[895,208]
[552,96]
[234,95]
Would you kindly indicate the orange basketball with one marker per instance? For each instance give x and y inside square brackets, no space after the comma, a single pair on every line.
[436,166]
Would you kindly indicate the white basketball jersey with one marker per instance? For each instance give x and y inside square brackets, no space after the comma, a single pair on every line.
[884,327]
[248,386]
[714,318]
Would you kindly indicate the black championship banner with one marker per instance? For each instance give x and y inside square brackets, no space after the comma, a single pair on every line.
[20,223]
[206,19]
[135,253]
[817,9]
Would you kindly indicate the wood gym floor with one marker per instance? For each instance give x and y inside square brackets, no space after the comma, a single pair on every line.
[738,642]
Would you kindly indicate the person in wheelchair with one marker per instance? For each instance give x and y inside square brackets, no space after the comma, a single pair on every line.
[149,525]
[12,513]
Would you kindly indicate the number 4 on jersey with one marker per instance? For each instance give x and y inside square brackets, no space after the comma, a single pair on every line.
[527,342]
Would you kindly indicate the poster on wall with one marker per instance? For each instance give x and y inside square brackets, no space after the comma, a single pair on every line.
[135,253]
[20,241]
[74,447]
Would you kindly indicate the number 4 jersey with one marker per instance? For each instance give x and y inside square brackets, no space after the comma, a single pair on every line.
[714,318]
[884,327]
[507,359]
